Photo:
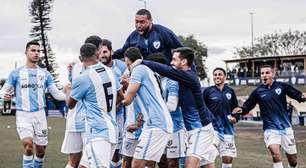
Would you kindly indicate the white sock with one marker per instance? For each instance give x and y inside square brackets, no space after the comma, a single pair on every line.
[224,165]
[27,161]
[278,165]
[68,166]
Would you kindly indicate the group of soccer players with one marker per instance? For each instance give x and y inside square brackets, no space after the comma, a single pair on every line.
[148,109]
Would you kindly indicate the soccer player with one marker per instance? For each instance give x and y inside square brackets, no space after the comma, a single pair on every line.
[97,89]
[30,83]
[118,68]
[278,132]
[150,38]
[221,101]
[158,124]
[176,146]
[197,117]
[74,140]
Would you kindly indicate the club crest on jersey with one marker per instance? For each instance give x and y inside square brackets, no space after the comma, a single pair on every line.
[228,96]
[156,44]
[278,91]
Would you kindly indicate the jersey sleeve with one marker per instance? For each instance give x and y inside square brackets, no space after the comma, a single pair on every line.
[79,88]
[138,73]
[173,88]
[119,53]
[293,93]
[250,103]
[49,79]
[12,79]
[171,39]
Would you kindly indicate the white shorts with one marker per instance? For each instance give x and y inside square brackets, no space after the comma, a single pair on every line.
[227,146]
[98,154]
[285,138]
[201,143]
[73,142]
[32,125]
[176,146]
[152,143]
[128,147]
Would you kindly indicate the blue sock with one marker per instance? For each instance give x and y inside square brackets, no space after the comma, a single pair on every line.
[182,162]
[116,164]
[38,162]
[27,161]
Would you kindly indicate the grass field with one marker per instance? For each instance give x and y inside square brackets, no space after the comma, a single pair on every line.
[251,150]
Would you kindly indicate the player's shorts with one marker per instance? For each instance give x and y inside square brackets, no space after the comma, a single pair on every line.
[201,143]
[73,142]
[226,145]
[128,147]
[285,138]
[120,123]
[152,143]
[98,153]
[32,125]
[176,147]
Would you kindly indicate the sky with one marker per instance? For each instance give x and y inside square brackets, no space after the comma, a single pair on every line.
[221,25]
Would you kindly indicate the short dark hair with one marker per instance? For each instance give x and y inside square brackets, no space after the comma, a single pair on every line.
[32,42]
[95,40]
[185,53]
[133,53]
[266,66]
[221,69]
[144,12]
[157,57]
[88,50]
[107,43]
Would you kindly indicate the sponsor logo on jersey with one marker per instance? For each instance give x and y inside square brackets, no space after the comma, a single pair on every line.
[228,96]
[278,91]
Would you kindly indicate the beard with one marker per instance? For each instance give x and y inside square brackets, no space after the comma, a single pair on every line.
[106,61]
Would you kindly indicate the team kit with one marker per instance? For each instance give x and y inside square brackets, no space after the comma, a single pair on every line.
[143,106]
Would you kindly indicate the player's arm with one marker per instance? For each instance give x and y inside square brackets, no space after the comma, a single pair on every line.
[130,93]
[56,93]
[248,105]
[77,91]
[172,100]
[118,54]
[294,93]
[171,39]
[7,91]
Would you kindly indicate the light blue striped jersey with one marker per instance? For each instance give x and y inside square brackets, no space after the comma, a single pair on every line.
[96,88]
[30,86]
[76,119]
[134,112]
[171,88]
[155,113]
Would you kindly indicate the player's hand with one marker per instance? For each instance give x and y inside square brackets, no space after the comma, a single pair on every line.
[139,120]
[304,96]
[70,65]
[135,63]
[67,88]
[237,110]
[232,119]
[125,82]
[7,97]
[131,128]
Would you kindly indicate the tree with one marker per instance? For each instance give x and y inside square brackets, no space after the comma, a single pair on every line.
[40,11]
[200,53]
[277,43]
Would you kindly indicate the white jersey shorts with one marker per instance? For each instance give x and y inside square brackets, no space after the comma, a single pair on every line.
[201,143]
[226,145]
[98,153]
[128,147]
[152,143]
[285,138]
[32,125]
[73,142]
[176,147]
[120,123]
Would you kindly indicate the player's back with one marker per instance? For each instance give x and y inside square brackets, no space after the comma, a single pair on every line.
[97,88]
[156,113]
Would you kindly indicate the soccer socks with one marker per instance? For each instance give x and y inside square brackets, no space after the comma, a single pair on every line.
[27,161]
[116,164]
[226,165]
[38,162]
[278,165]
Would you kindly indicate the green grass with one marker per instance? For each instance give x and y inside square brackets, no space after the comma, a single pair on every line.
[251,150]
